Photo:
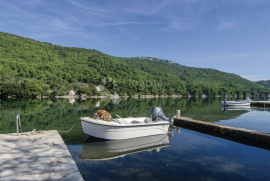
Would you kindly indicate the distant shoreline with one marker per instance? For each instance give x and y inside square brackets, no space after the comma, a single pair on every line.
[115,96]
[112,96]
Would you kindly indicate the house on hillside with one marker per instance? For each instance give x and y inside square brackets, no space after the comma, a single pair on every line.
[98,88]
[71,92]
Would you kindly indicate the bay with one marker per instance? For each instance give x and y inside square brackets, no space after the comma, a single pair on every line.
[185,155]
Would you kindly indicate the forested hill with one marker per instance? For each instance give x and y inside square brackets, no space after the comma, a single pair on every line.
[30,67]
[265,83]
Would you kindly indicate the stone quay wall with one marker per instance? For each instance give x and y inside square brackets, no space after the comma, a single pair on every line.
[239,134]
[261,103]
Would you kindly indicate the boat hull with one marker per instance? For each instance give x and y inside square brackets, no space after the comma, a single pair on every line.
[104,130]
[236,103]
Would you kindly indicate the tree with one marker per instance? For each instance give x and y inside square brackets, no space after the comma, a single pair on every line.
[31,88]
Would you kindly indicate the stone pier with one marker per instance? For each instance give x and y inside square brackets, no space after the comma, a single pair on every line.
[241,135]
[39,156]
[261,103]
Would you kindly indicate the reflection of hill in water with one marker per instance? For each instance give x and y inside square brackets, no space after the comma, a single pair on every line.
[105,150]
[59,114]
[219,114]
[45,114]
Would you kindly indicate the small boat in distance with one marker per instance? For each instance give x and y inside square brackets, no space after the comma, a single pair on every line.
[267,96]
[126,128]
[236,103]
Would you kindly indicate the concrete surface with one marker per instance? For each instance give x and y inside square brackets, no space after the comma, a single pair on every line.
[40,156]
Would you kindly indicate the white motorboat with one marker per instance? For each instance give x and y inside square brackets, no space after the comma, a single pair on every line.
[236,103]
[126,128]
[105,150]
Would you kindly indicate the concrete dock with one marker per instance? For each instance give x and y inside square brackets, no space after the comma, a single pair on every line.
[240,135]
[39,156]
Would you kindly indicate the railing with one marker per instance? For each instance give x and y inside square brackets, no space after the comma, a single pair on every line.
[18,123]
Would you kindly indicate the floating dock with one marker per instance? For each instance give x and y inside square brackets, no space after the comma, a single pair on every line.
[240,135]
[39,156]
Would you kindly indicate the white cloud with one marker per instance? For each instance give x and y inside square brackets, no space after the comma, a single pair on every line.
[138,23]
[230,56]
[32,3]
[125,12]
[223,26]
[97,10]
[255,77]
[256,2]
[45,18]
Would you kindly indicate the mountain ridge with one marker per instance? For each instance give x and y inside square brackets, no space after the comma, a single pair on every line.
[265,83]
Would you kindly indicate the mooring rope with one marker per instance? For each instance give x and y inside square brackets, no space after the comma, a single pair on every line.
[34,131]
[68,130]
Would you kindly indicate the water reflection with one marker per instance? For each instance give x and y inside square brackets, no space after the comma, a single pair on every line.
[188,156]
[236,108]
[71,101]
[106,150]
[97,104]
[59,114]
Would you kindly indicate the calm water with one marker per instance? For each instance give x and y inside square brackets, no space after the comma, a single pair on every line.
[255,119]
[186,155]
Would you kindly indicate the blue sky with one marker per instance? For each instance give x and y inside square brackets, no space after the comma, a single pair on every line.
[227,35]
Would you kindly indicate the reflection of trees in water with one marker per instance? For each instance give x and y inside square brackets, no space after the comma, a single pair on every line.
[209,110]
[44,114]
[59,114]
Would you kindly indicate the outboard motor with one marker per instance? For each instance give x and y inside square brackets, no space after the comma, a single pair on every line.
[158,115]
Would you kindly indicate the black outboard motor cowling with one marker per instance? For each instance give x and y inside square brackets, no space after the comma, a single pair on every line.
[158,115]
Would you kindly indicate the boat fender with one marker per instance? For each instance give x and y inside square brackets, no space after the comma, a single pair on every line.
[156,150]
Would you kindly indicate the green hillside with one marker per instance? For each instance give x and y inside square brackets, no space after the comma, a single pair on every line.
[30,68]
[265,83]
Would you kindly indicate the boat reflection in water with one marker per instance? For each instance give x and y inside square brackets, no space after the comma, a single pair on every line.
[105,150]
[236,108]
